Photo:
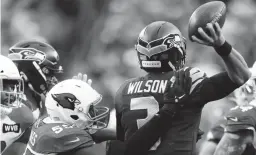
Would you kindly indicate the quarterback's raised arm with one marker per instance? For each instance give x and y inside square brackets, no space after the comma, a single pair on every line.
[235,64]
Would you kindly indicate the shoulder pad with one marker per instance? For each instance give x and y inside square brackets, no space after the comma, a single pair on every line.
[241,117]
[197,76]
[22,115]
[58,137]
[120,92]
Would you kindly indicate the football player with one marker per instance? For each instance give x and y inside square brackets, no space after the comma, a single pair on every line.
[235,136]
[72,117]
[241,96]
[161,51]
[16,117]
[39,65]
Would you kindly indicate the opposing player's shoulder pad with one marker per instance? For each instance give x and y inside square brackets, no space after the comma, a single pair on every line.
[22,115]
[63,138]
[241,118]
[197,76]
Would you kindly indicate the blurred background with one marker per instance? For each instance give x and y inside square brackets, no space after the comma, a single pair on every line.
[97,37]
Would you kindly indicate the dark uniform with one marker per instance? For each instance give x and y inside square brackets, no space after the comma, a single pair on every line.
[139,99]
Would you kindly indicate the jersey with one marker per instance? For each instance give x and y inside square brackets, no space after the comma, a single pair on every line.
[14,123]
[50,138]
[240,118]
[140,98]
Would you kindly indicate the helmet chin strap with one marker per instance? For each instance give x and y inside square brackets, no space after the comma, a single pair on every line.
[171,65]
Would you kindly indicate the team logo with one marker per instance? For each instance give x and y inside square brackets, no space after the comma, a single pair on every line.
[28,54]
[11,128]
[169,42]
[66,100]
[172,41]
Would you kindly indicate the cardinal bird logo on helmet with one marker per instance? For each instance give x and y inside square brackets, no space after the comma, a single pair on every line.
[66,100]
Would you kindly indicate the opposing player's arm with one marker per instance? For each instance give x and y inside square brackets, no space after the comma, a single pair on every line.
[81,151]
[234,143]
[104,135]
[212,139]
[208,148]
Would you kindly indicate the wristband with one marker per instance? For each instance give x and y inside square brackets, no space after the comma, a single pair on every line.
[224,50]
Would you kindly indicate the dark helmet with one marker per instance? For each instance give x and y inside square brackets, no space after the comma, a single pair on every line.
[161,47]
[44,54]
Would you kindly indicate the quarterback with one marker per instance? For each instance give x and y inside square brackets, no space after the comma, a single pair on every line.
[141,102]
[16,117]
[72,117]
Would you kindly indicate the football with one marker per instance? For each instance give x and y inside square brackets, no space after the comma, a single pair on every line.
[211,12]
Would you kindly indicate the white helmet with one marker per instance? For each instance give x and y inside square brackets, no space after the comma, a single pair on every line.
[11,84]
[74,102]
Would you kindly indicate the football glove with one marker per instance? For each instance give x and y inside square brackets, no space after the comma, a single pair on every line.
[177,91]
[178,88]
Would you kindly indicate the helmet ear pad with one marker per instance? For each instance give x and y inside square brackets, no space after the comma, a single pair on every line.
[170,60]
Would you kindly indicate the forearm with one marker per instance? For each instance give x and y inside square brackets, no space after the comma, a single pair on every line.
[208,148]
[104,135]
[144,138]
[235,64]
[234,144]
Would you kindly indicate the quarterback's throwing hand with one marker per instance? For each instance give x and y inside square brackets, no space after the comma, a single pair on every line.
[215,38]
[178,88]
[84,78]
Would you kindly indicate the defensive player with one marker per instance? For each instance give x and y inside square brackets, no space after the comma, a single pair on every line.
[72,117]
[242,96]
[237,134]
[16,117]
[161,50]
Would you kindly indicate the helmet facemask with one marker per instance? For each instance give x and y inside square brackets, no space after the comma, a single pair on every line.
[162,55]
[99,117]
[72,111]
[50,75]
[11,92]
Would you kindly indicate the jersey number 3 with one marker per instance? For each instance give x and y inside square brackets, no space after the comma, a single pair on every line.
[147,103]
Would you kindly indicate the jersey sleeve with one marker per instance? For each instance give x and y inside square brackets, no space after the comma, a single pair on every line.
[118,107]
[23,116]
[115,147]
[216,87]
[241,118]
[57,139]
[197,77]
[215,134]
